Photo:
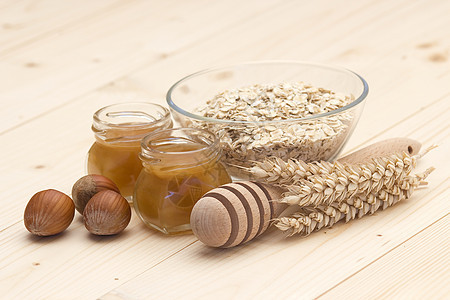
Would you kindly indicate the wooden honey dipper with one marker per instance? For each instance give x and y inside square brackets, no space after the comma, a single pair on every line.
[235,213]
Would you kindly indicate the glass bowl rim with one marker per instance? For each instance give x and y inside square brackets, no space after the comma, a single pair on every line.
[191,115]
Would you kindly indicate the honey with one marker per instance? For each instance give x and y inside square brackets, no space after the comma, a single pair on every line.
[180,166]
[119,129]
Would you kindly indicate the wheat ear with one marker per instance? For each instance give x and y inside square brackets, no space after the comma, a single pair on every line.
[276,171]
[346,180]
[308,219]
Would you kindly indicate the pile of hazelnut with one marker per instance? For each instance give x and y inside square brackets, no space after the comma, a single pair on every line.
[96,197]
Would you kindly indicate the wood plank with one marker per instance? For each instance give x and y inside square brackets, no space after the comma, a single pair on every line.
[77,264]
[400,47]
[415,269]
[57,69]
[150,84]
[25,22]
[412,126]
[392,90]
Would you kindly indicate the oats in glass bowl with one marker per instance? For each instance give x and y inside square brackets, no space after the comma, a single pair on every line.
[286,118]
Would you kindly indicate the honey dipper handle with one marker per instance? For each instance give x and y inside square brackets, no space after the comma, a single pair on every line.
[382,148]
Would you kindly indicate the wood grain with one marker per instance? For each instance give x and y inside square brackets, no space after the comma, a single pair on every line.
[62,60]
[404,271]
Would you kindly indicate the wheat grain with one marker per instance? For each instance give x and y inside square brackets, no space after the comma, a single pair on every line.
[316,183]
[308,219]
[275,170]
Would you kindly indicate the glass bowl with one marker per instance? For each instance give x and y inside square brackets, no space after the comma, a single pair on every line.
[247,137]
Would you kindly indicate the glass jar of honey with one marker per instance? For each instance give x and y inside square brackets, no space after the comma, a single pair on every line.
[119,130]
[180,166]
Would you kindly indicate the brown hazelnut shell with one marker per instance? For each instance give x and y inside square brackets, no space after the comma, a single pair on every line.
[107,213]
[87,186]
[49,212]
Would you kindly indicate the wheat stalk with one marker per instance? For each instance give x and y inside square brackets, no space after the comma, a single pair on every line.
[275,170]
[308,219]
[317,183]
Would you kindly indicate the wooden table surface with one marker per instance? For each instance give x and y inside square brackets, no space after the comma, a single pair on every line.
[62,60]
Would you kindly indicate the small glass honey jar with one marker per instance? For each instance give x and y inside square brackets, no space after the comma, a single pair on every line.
[180,166]
[119,130]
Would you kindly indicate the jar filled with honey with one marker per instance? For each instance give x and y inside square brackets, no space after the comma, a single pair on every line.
[119,130]
[180,166]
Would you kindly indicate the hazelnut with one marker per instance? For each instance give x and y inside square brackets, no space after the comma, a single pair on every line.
[86,187]
[48,212]
[107,213]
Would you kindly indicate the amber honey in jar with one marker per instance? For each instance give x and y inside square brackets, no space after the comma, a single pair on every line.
[180,166]
[119,130]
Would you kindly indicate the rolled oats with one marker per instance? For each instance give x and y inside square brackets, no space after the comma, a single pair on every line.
[258,137]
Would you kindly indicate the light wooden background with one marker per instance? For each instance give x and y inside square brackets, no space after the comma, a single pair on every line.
[62,60]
